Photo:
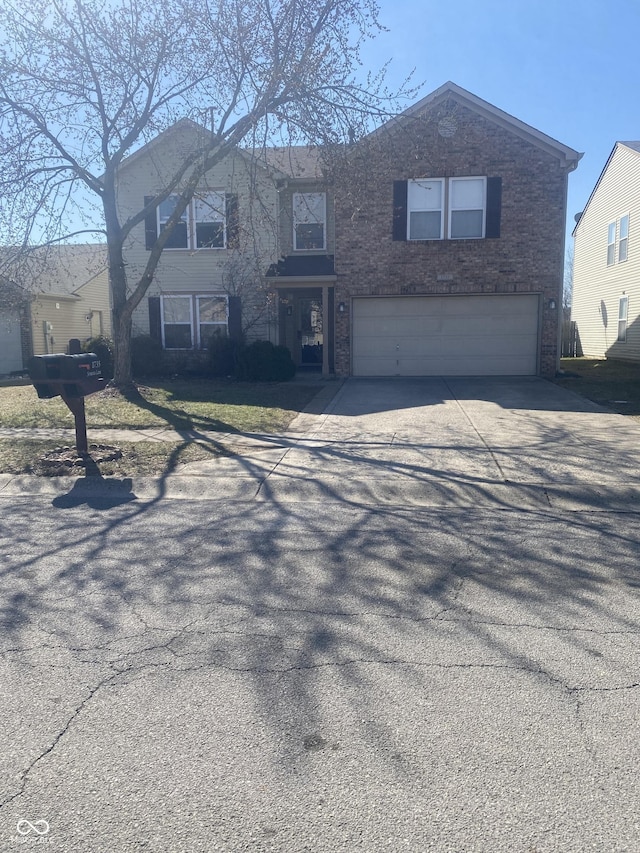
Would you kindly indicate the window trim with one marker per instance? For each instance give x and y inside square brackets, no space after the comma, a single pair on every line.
[164,296]
[451,181]
[198,322]
[192,223]
[623,240]
[611,244]
[194,314]
[623,318]
[443,207]
[447,210]
[323,248]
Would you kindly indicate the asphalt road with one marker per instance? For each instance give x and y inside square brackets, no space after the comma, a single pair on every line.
[325,669]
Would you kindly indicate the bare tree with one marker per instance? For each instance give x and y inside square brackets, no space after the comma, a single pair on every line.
[84,83]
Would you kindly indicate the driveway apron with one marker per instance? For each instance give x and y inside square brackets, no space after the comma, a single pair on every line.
[425,441]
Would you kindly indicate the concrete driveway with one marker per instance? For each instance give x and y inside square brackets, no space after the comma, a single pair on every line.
[462,441]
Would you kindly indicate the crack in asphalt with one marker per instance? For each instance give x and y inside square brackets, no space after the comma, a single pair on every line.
[122,664]
[24,776]
[131,670]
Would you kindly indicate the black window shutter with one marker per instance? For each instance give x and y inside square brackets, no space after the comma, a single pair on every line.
[233,222]
[150,225]
[235,318]
[494,207]
[399,210]
[155,328]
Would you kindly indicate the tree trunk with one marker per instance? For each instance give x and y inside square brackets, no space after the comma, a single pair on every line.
[118,284]
[122,349]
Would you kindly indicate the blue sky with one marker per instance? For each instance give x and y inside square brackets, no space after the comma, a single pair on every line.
[571,69]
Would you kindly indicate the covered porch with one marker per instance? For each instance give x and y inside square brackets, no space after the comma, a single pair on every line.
[304,285]
[305,325]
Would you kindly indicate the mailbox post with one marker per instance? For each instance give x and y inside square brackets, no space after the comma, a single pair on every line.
[71,377]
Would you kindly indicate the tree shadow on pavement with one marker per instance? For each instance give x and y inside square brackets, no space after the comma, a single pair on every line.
[326,604]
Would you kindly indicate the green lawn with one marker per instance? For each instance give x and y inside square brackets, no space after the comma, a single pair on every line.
[614,384]
[196,404]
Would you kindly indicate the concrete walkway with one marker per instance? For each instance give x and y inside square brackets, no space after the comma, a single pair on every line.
[504,442]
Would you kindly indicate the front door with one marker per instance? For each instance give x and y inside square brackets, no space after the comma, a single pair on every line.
[311,332]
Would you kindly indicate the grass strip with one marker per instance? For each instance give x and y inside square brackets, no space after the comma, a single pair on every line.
[51,458]
[216,406]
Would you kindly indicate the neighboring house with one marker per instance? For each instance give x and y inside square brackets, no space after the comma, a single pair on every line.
[70,297]
[433,246]
[606,264]
[14,330]
[64,294]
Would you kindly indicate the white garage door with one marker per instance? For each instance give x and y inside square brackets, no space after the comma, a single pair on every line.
[10,342]
[446,335]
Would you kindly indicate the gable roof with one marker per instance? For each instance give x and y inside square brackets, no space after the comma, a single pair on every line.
[293,161]
[297,162]
[181,127]
[632,146]
[567,156]
[60,270]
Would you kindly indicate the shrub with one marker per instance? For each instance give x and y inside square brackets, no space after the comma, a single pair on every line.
[147,356]
[283,367]
[103,348]
[261,361]
[223,353]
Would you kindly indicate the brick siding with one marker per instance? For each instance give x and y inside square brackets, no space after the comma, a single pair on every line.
[526,258]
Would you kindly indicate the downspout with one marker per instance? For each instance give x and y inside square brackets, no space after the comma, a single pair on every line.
[572,165]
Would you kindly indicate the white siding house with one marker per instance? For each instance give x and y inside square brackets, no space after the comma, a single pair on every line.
[606,272]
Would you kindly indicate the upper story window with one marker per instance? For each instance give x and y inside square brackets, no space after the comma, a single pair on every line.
[425,205]
[621,229]
[623,238]
[201,226]
[209,217]
[611,244]
[446,208]
[467,199]
[309,221]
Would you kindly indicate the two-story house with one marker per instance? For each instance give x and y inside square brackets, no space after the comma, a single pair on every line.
[606,264]
[433,246]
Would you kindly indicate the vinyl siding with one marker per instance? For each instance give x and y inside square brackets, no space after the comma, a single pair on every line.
[60,313]
[10,342]
[597,287]
[68,315]
[234,271]
[94,296]
[286,217]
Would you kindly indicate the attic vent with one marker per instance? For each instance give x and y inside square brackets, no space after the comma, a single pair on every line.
[447,126]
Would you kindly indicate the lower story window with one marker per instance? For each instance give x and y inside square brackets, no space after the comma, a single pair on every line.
[623,314]
[190,320]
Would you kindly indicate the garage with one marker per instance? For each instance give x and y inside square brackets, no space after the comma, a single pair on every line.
[10,342]
[483,335]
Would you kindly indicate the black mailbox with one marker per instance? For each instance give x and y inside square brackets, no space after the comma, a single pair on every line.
[61,375]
